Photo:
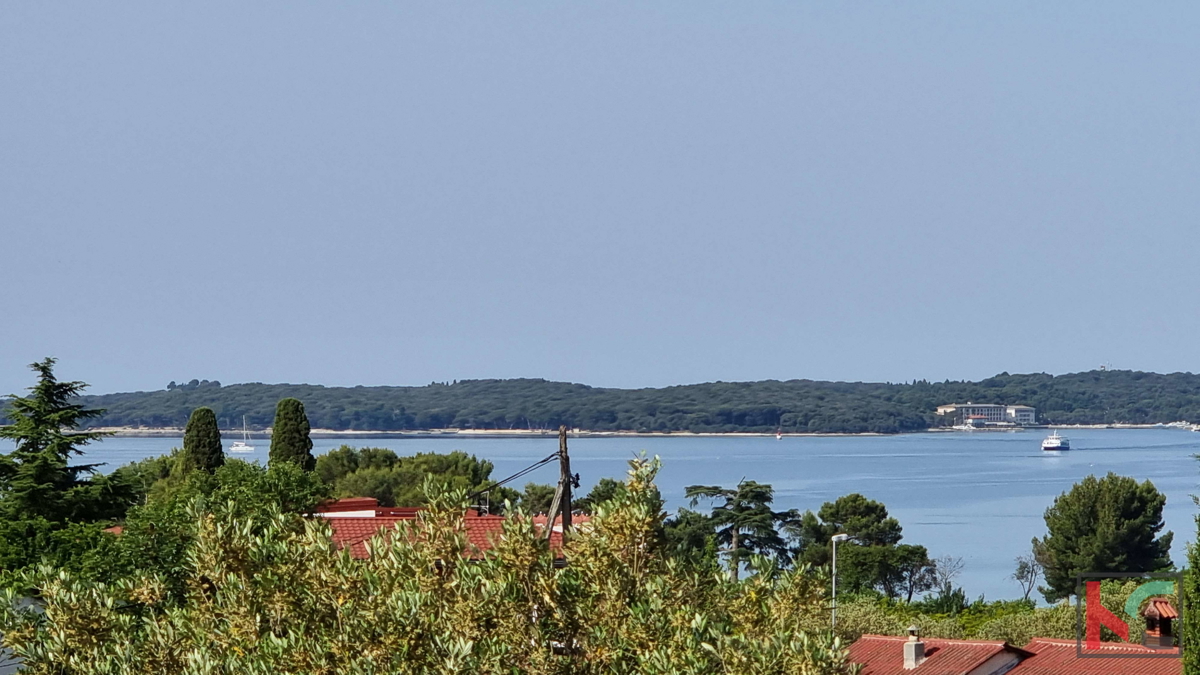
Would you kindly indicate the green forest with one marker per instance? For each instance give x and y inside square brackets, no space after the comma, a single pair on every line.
[1095,397]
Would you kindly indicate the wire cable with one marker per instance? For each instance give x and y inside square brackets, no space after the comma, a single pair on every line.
[515,476]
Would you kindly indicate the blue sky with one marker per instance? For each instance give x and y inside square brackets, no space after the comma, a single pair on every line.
[621,194]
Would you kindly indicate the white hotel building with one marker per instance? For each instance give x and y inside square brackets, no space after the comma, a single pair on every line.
[990,413]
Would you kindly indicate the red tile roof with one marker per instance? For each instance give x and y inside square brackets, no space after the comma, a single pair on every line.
[1058,657]
[482,532]
[353,533]
[884,655]
[348,504]
[362,504]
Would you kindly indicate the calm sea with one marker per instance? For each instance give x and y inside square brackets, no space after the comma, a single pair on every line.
[978,495]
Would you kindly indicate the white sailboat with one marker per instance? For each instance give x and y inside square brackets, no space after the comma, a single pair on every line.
[244,444]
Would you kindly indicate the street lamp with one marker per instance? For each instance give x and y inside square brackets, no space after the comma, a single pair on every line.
[835,539]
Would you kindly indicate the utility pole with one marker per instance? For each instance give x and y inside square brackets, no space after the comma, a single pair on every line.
[566,480]
[834,542]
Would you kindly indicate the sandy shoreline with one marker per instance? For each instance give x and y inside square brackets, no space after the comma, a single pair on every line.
[167,432]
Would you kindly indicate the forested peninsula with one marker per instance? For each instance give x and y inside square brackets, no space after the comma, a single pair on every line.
[1095,397]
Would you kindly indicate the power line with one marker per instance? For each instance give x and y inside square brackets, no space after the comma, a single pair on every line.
[515,476]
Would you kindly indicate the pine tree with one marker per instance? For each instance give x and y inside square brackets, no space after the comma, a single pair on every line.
[289,435]
[36,479]
[1108,524]
[202,442]
[744,521]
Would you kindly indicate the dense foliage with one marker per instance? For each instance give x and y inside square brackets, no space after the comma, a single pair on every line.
[202,442]
[1191,594]
[745,524]
[156,536]
[279,598]
[1108,524]
[403,481]
[795,405]
[290,440]
[873,557]
[1015,621]
[49,507]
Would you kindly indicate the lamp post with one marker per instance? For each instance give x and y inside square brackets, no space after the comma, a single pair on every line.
[834,542]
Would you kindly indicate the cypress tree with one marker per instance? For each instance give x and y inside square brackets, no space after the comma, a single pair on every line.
[202,442]
[289,436]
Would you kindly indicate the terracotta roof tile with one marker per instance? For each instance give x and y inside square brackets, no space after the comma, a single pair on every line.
[1059,657]
[482,532]
[884,655]
[364,507]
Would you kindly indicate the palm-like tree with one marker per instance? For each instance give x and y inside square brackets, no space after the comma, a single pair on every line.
[744,521]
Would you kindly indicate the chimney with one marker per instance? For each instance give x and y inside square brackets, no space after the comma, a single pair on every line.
[914,649]
[1159,615]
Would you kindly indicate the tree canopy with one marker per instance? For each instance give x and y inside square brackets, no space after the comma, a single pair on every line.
[403,481]
[36,478]
[873,558]
[202,442]
[278,597]
[794,406]
[745,524]
[290,441]
[44,499]
[1108,524]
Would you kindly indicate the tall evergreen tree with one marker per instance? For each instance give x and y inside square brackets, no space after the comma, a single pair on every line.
[744,521]
[1108,524]
[36,478]
[202,442]
[289,435]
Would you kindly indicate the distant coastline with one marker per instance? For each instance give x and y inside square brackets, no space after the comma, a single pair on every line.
[173,432]
[752,408]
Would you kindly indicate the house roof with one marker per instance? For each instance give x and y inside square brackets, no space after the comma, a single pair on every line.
[365,507]
[1059,657]
[482,532]
[884,655]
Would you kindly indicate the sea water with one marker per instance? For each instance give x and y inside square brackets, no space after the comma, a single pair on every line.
[975,495]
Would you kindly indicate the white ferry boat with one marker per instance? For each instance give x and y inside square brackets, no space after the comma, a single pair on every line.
[1056,442]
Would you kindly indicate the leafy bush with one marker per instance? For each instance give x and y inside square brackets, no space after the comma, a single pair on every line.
[279,598]
[400,481]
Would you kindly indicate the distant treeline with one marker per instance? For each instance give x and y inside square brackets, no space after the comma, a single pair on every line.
[795,405]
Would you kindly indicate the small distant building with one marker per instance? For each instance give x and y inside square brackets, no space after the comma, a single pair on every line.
[989,413]
[1021,414]
[976,421]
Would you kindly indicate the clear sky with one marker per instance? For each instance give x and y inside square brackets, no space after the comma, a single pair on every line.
[621,194]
